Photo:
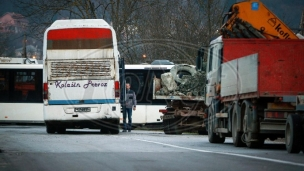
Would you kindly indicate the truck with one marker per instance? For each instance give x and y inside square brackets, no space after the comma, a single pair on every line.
[254,80]
[185,109]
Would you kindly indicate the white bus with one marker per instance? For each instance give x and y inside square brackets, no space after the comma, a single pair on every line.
[20,91]
[81,76]
[141,79]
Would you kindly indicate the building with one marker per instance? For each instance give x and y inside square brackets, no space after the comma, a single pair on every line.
[13,23]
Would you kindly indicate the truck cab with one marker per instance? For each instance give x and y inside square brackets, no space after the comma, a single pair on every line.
[213,69]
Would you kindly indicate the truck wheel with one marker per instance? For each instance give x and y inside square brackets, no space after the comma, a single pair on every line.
[293,134]
[253,144]
[236,135]
[174,127]
[182,67]
[166,125]
[50,129]
[249,138]
[212,137]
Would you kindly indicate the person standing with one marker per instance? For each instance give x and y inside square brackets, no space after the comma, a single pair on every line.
[130,104]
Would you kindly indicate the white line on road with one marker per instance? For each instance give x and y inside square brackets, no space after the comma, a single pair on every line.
[231,154]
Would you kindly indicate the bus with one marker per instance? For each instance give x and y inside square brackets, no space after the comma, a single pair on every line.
[81,76]
[20,91]
[140,76]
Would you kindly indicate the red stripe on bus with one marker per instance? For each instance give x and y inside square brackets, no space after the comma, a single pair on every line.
[79,33]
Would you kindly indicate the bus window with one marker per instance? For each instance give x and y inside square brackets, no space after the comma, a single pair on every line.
[26,85]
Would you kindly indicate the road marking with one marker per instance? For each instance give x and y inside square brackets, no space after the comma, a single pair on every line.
[231,154]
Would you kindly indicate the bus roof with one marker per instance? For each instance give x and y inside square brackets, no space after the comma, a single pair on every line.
[80,23]
[21,66]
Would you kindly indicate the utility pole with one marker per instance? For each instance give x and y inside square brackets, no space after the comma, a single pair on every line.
[24,47]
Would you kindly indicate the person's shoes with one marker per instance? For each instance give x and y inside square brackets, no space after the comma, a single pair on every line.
[129,130]
[124,130]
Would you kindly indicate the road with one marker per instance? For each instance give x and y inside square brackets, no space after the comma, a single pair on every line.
[31,148]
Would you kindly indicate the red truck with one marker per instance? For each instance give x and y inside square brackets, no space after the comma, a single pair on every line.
[255,90]
[255,80]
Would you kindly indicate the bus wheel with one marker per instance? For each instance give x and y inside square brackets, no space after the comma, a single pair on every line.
[50,129]
[60,130]
[293,134]
[114,129]
[104,129]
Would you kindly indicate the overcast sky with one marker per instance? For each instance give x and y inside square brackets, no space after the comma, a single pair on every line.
[289,11]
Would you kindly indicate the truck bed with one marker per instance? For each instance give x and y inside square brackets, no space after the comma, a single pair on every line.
[262,68]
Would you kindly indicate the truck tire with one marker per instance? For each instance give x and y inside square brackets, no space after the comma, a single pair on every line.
[166,125]
[171,127]
[181,67]
[236,135]
[253,144]
[250,138]
[293,134]
[212,137]
[50,129]
[174,127]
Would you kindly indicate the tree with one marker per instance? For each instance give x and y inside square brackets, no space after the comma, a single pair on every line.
[160,29]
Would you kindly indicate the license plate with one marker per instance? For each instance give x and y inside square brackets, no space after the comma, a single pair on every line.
[168,117]
[82,109]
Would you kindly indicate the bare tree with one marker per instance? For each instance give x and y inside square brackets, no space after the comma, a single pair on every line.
[175,30]
[160,29]
[120,13]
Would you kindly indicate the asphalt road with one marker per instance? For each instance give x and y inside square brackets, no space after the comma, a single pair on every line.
[31,148]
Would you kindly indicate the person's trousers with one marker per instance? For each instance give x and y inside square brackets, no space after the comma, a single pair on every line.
[129,114]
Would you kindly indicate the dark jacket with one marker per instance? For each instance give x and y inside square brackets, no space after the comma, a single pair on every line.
[130,99]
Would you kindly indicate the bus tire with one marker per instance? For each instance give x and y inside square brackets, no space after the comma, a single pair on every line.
[103,130]
[293,134]
[50,129]
[61,129]
[114,130]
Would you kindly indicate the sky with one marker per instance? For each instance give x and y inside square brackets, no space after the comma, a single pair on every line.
[290,11]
